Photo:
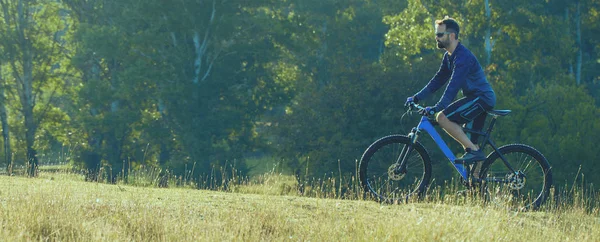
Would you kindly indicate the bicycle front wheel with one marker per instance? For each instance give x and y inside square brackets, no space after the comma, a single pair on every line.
[381,176]
[525,186]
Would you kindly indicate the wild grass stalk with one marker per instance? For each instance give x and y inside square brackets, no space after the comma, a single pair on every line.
[59,206]
[574,195]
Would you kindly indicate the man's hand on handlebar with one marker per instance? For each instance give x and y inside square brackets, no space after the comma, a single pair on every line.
[427,111]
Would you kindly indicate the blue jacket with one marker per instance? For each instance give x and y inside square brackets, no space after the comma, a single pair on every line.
[465,74]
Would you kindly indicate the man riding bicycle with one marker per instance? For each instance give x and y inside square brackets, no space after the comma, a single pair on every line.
[463,71]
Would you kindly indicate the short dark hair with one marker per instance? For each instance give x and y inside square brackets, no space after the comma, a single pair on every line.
[451,25]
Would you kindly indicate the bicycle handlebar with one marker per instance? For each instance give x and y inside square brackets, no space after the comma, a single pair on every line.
[412,106]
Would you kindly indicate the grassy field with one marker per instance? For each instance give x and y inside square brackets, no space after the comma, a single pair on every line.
[61,206]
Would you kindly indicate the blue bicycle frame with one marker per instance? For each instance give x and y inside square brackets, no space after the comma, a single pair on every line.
[426,125]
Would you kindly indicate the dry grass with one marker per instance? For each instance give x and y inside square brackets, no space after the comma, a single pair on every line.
[63,207]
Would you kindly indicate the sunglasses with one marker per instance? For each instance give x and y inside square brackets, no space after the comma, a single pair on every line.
[441,34]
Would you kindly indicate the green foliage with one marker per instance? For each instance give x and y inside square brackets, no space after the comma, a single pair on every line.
[337,119]
[186,88]
[412,30]
[195,86]
[319,131]
[559,122]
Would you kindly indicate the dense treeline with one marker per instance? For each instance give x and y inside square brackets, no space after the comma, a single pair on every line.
[115,85]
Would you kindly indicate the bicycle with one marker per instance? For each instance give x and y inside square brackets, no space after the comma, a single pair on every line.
[398,167]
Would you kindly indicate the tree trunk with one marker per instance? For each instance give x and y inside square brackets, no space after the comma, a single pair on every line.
[114,137]
[92,158]
[578,43]
[568,30]
[5,133]
[27,102]
[30,129]
[488,34]
[25,84]
[5,127]
[119,166]
[201,50]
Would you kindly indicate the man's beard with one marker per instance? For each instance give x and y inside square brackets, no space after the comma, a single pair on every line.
[441,45]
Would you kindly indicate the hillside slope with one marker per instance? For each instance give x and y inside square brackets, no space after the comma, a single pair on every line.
[59,208]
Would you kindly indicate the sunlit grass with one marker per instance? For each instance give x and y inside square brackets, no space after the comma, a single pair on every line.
[268,184]
[61,206]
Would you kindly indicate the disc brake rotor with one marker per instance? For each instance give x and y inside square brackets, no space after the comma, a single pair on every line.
[516,181]
[395,175]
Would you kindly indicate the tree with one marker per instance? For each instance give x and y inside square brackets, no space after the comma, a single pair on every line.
[31,41]
[330,120]
[518,41]
[590,45]
[187,86]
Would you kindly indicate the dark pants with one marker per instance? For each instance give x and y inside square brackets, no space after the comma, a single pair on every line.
[470,112]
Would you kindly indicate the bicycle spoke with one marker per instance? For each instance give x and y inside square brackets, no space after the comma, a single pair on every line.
[381,174]
[527,186]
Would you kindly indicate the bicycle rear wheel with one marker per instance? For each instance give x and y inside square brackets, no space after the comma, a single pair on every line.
[527,187]
[379,174]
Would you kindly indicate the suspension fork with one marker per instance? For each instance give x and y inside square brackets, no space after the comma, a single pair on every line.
[406,150]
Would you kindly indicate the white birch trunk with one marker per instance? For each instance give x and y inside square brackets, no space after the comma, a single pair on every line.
[568,30]
[201,46]
[579,59]
[489,44]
